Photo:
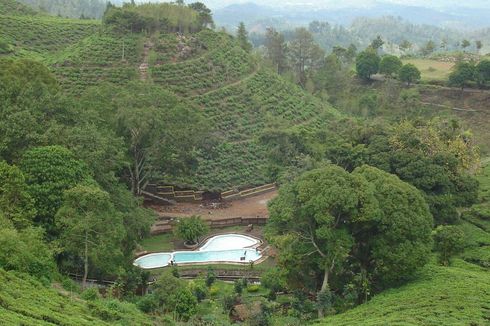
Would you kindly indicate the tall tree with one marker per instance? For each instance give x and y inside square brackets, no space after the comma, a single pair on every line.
[309,222]
[304,54]
[205,15]
[49,171]
[465,43]
[334,224]
[463,73]
[405,46]
[478,45]
[91,228]
[242,37]
[377,43]
[409,74]
[276,49]
[367,64]
[161,133]
[428,48]
[390,65]
[15,202]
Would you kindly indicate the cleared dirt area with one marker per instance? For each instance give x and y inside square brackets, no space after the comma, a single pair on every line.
[255,206]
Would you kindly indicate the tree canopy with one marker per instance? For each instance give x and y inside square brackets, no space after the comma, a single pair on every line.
[334,223]
[367,64]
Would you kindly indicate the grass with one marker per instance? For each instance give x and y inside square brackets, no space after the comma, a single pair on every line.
[432,69]
[160,242]
[457,295]
[25,301]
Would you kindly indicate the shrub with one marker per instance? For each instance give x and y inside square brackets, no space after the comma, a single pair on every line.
[191,228]
[199,289]
[69,285]
[253,288]
[238,287]
[148,303]
[214,290]
[210,277]
[90,294]
[448,241]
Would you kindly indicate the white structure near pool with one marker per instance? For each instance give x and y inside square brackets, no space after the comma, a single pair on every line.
[226,248]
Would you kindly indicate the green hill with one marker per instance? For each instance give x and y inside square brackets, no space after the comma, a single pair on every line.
[456,295]
[33,35]
[240,98]
[25,301]
[441,296]
[12,7]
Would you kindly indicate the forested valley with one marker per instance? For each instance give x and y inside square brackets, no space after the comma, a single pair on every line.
[374,164]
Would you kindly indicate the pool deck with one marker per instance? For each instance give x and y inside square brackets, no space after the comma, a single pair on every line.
[261,243]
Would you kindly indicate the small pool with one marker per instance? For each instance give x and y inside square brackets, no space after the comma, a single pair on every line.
[232,248]
[153,260]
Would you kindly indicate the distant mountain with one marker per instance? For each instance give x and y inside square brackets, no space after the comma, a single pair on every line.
[296,14]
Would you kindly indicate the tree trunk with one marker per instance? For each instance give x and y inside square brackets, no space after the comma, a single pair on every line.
[321,310]
[85,262]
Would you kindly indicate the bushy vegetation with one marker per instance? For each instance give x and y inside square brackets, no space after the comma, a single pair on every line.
[441,295]
[27,301]
[220,66]
[358,198]
[35,36]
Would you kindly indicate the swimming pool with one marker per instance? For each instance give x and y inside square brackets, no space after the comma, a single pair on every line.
[233,248]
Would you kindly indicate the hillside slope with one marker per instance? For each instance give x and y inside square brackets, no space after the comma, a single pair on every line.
[25,301]
[30,34]
[240,98]
[441,296]
[455,295]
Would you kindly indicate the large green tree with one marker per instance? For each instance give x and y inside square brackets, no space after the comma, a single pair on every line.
[276,49]
[330,224]
[409,74]
[30,108]
[309,223]
[49,171]
[15,202]
[304,53]
[399,240]
[463,73]
[242,37]
[367,64]
[390,65]
[91,228]
[160,134]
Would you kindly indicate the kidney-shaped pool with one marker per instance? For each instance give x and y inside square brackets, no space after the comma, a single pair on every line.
[226,248]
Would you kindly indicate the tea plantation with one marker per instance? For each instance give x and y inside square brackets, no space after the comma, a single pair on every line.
[25,301]
[440,296]
[238,97]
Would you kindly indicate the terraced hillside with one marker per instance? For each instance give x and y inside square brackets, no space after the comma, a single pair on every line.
[33,35]
[209,68]
[102,57]
[25,301]
[441,296]
[223,63]
[240,112]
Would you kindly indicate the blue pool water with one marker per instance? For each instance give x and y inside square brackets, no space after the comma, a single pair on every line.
[233,255]
[234,248]
[153,260]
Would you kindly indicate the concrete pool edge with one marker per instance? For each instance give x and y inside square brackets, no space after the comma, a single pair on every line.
[259,242]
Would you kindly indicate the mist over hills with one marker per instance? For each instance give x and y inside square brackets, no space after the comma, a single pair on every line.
[450,14]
